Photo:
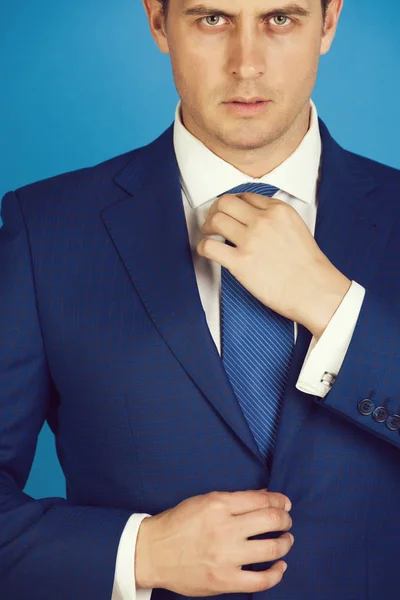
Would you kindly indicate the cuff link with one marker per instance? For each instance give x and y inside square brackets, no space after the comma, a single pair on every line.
[328,379]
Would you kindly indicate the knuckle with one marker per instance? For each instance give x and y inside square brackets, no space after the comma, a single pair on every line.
[223,202]
[214,495]
[267,501]
[268,580]
[280,206]
[218,219]
[275,548]
[207,245]
[282,499]
[246,251]
[216,501]
[282,546]
[286,522]
[283,210]
[285,545]
[275,516]
[274,577]
[262,583]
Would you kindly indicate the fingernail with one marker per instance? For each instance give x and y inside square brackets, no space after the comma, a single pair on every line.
[292,538]
[288,505]
[284,567]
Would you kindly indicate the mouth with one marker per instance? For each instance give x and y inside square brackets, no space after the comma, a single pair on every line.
[243,100]
[247,108]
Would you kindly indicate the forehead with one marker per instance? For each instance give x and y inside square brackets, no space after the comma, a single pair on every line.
[255,5]
[261,9]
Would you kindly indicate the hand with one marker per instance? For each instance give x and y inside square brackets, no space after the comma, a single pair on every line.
[276,258]
[198,547]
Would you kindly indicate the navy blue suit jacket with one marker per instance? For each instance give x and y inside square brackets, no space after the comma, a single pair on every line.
[102,333]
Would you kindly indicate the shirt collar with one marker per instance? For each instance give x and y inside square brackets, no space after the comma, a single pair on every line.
[204,175]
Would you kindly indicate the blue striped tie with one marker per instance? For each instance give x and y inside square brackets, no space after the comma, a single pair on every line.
[257,347]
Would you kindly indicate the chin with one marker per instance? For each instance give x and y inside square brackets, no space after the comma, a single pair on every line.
[246,143]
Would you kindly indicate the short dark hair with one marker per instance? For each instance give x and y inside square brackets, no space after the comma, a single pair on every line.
[165,7]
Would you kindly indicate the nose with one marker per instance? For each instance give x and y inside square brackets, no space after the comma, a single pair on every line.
[247,53]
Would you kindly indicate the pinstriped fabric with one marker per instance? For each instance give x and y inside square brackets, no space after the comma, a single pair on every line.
[257,347]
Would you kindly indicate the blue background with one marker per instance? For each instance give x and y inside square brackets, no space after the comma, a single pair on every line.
[84,81]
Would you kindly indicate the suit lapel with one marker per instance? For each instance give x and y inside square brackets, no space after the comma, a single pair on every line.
[351,231]
[149,231]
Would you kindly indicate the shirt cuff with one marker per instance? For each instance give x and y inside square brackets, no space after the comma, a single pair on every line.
[124,581]
[325,357]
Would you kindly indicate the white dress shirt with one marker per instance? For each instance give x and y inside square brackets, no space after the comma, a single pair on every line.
[204,176]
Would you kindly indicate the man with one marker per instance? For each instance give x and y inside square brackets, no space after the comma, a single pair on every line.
[205,317]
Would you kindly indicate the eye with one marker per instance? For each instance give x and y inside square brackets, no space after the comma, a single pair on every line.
[212,17]
[278,20]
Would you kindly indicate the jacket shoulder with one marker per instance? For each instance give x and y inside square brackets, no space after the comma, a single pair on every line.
[381,172]
[76,181]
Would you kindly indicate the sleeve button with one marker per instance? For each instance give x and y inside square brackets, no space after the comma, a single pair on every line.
[366,407]
[380,414]
[393,422]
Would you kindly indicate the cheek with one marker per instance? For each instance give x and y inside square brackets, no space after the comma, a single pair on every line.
[189,63]
[296,68]
[196,75]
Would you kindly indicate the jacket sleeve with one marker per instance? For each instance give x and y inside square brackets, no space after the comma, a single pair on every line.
[49,548]
[367,388]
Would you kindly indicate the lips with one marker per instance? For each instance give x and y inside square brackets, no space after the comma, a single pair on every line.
[241,100]
[246,109]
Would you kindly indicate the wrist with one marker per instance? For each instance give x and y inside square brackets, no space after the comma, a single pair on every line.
[322,303]
[144,565]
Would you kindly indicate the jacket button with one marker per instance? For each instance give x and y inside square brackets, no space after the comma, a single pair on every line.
[380,414]
[366,407]
[393,422]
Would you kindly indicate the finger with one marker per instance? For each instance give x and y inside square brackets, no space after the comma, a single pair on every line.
[235,207]
[250,500]
[259,200]
[256,551]
[228,227]
[262,521]
[219,251]
[258,581]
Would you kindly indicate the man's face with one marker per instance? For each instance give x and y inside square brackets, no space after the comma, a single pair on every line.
[216,58]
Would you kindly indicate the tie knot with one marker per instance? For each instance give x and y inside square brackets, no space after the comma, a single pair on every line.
[256,188]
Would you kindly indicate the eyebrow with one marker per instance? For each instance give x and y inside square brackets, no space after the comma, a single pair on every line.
[289,9]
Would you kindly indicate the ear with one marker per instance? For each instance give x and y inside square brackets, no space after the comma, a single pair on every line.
[331,21]
[157,24]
